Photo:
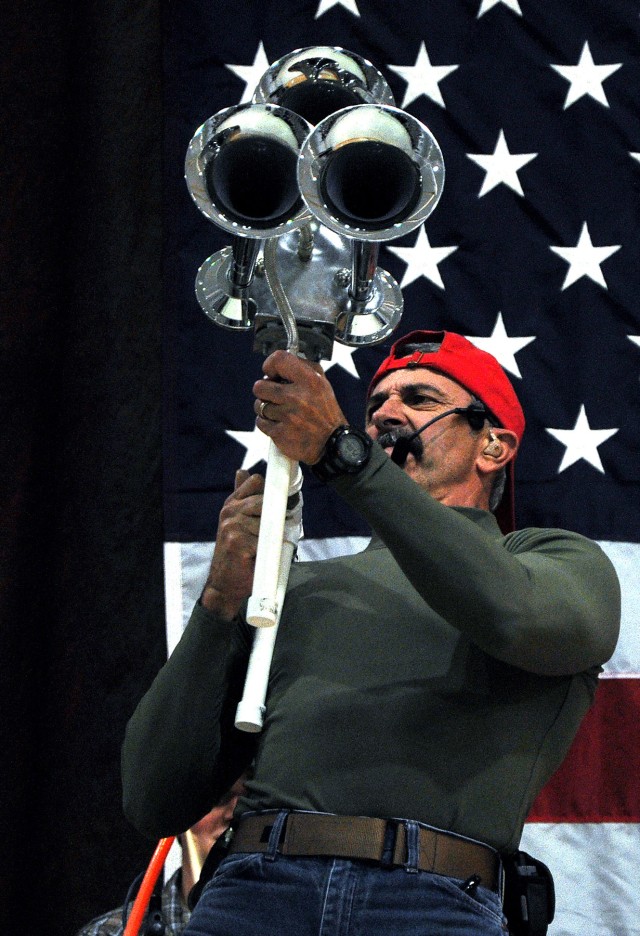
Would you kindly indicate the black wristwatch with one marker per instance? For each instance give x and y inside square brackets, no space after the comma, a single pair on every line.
[347,451]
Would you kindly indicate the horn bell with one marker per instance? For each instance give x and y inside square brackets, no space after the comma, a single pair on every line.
[317,81]
[240,170]
[371,172]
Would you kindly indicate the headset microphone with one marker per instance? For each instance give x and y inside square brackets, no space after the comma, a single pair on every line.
[475,413]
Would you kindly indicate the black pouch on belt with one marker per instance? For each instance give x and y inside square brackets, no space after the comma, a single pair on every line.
[529,895]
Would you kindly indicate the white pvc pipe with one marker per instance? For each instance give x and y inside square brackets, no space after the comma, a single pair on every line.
[262,608]
[251,708]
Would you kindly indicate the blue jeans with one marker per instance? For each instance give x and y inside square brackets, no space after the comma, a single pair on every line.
[273,895]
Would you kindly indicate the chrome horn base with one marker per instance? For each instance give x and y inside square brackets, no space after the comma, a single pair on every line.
[318,288]
[360,324]
[214,293]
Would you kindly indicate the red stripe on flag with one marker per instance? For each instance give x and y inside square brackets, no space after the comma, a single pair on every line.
[600,779]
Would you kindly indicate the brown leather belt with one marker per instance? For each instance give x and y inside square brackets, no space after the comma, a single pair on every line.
[365,838]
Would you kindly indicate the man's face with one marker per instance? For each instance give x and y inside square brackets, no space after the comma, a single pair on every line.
[443,458]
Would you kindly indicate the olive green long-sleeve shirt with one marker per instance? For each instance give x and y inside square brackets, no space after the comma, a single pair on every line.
[440,675]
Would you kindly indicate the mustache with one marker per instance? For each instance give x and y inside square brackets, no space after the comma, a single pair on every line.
[389,439]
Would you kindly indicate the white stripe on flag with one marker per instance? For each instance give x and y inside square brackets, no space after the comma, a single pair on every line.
[173,593]
[595,868]
[626,659]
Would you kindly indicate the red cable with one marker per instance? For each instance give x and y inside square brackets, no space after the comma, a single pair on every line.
[146,888]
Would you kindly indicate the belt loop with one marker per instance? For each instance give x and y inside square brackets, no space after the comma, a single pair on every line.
[275,835]
[500,884]
[412,834]
[389,844]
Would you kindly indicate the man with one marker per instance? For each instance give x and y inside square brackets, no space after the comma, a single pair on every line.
[421,692]
[173,910]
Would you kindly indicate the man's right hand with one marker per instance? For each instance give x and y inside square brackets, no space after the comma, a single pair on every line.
[230,579]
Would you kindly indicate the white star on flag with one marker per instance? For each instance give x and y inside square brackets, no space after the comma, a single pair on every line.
[635,339]
[584,259]
[488,4]
[501,166]
[581,442]
[349,5]
[422,260]
[586,78]
[501,346]
[423,78]
[635,156]
[256,444]
[251,74]
[342,356]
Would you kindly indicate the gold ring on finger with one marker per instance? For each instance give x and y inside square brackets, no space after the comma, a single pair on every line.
[262,408]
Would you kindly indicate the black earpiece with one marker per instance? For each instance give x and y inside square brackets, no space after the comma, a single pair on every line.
[476,413]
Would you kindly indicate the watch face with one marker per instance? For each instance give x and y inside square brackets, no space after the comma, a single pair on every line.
[351,448]
[347,451]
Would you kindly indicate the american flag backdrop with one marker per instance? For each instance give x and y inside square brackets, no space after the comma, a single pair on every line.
[533,253]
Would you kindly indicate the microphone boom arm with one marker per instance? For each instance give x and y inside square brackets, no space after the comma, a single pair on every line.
[475,412]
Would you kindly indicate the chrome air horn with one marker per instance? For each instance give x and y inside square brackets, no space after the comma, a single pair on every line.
[241,172]
[371,174]
[309,179]
[320,80]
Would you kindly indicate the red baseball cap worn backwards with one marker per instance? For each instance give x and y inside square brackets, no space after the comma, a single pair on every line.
[479,373]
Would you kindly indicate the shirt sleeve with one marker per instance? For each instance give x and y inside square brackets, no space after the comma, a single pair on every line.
[181,736]
[547,601]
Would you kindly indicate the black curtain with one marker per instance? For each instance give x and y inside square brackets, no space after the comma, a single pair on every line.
[81,589]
